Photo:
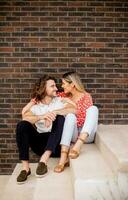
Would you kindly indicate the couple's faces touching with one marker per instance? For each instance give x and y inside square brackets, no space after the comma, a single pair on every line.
[51,88]
[67,86]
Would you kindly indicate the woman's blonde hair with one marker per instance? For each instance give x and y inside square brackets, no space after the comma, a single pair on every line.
[73,77]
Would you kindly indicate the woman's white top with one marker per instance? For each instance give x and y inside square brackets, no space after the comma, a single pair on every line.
[41,109]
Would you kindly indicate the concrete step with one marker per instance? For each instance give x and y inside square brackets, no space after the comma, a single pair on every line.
[92,178]
[123,184]
[100,173]
[3,182]
[51,187]
[112,141]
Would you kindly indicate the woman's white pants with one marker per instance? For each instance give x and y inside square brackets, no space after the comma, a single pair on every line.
[71,132]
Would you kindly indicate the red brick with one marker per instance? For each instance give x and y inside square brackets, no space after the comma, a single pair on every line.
[53,37]
[7,49]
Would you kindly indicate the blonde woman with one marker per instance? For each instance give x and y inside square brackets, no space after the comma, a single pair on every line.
[80,127]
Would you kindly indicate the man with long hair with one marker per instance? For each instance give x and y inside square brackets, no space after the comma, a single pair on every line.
[41,126]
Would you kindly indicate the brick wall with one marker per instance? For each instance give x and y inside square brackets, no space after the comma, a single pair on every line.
[38,37]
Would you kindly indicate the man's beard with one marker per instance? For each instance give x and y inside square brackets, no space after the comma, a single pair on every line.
[54,94]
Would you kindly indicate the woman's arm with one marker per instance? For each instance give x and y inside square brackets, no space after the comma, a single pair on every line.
[68,108]
[28,106]
[66,100]
[30,117]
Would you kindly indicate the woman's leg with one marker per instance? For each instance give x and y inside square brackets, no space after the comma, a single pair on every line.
[69,130]
[88,131]
[69,133]
[91,123]
[63,162]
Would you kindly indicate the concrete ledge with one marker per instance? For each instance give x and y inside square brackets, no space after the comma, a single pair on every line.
[97,189]
[112,140]
[90,171]
[3,182]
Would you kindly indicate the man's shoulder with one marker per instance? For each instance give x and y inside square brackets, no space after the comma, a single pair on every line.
[38,105]
[56,99]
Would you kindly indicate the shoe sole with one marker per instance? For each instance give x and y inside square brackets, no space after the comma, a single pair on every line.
[20,183]
[41,176]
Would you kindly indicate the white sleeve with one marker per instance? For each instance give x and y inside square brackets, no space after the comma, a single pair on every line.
[33,109]
[60,103]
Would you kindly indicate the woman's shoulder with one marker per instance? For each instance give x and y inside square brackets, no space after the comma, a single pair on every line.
[85,98]
[87,95]
[38,105]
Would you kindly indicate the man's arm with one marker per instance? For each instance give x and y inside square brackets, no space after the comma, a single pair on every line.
[30,117]
[69,108]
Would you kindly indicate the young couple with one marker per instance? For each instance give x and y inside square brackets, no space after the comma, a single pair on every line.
[51,121]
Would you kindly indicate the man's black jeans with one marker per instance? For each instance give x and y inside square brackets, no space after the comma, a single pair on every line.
[27,136]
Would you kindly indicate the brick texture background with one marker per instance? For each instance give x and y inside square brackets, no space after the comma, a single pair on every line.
[40,37]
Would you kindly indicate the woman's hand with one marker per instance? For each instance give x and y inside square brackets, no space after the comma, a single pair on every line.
[28,106]
[33,101]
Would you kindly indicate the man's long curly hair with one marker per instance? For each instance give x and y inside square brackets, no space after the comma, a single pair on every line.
[39,90]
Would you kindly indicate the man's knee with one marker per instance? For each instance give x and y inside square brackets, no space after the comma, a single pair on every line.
[22,125]
[59,121]
[60,118]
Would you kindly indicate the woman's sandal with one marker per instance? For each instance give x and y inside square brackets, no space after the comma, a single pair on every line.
[60,167]
[73,154]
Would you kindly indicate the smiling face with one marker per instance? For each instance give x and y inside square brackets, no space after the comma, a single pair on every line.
[51,88]
[67,86]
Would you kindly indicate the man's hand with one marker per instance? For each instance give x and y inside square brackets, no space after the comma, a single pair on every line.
[51,116]
[48,123]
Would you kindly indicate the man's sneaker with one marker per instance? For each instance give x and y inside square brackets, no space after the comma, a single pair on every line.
[41,169]
[23,176]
